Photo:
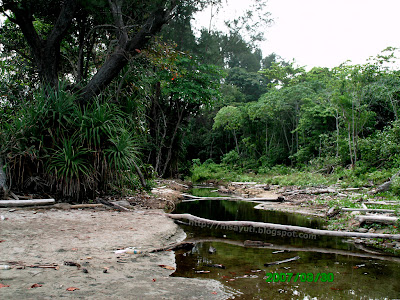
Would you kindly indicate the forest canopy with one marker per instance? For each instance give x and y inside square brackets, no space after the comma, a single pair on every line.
[104,96]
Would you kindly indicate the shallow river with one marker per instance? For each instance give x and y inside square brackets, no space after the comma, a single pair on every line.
[327,268]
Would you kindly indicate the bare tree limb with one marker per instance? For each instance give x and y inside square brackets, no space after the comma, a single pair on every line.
[289,228]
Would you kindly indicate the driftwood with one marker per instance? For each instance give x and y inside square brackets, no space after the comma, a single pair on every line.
[112,205]
[53,266]
[282,261]
[369,210]
[310,192]
[377,219]
[77,206]
[231,224]
[33,202]
[383,202]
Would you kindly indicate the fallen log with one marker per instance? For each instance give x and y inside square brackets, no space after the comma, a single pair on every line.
[33,202]
[369,210]
[282,261]
[383,202]
[112,205]
[310,192]
[238,224]
[377,219]
[78,206]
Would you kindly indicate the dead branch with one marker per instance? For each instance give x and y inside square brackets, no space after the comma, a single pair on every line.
[369,210]
[230,224]
[282,261]
[33,202]
[378,219]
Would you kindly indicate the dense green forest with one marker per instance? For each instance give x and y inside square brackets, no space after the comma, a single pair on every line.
[104,96]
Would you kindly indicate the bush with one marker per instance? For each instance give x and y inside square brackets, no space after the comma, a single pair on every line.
[54,146]
[395,188]
[231,158]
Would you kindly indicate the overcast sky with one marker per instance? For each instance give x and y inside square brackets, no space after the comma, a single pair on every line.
[326,32]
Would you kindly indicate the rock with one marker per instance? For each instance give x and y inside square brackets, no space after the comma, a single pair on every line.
[63,205]
[362,230]
[122,203]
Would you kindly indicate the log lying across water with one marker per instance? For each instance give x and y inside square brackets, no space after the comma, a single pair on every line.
[212,224]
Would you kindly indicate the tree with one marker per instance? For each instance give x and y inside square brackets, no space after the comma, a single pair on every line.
[127,27]
[230,118]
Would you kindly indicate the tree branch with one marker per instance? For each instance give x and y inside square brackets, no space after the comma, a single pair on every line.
[63,22]
[119,22]
[123,52]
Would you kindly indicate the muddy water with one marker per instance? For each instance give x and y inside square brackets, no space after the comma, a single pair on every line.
[353,273]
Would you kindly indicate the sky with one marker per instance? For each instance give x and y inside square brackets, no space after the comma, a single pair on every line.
[324,33]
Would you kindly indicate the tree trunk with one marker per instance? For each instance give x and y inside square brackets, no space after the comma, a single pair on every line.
[46,51]
[169,154]
[3,178]
[236,141]
[337,133]
[266,139]
[350,148]
[212,224]
[120,57]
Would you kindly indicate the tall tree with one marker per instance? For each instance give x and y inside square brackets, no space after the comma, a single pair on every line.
[127,27]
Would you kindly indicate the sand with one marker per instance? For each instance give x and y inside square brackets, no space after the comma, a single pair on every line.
[89,238]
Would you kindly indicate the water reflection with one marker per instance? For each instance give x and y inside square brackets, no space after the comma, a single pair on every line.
[357,274]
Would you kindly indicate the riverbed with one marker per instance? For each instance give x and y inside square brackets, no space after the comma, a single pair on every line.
[222,254]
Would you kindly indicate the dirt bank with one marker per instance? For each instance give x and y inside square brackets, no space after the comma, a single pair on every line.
[89,238]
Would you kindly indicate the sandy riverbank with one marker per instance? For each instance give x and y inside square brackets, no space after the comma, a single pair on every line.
[89,238]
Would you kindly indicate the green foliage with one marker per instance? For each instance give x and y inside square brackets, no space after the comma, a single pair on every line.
[231,158]
[228,117]
[69,168]
[52,145]
[395,188]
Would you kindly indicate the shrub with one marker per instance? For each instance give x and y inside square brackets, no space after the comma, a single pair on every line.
[231,158]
